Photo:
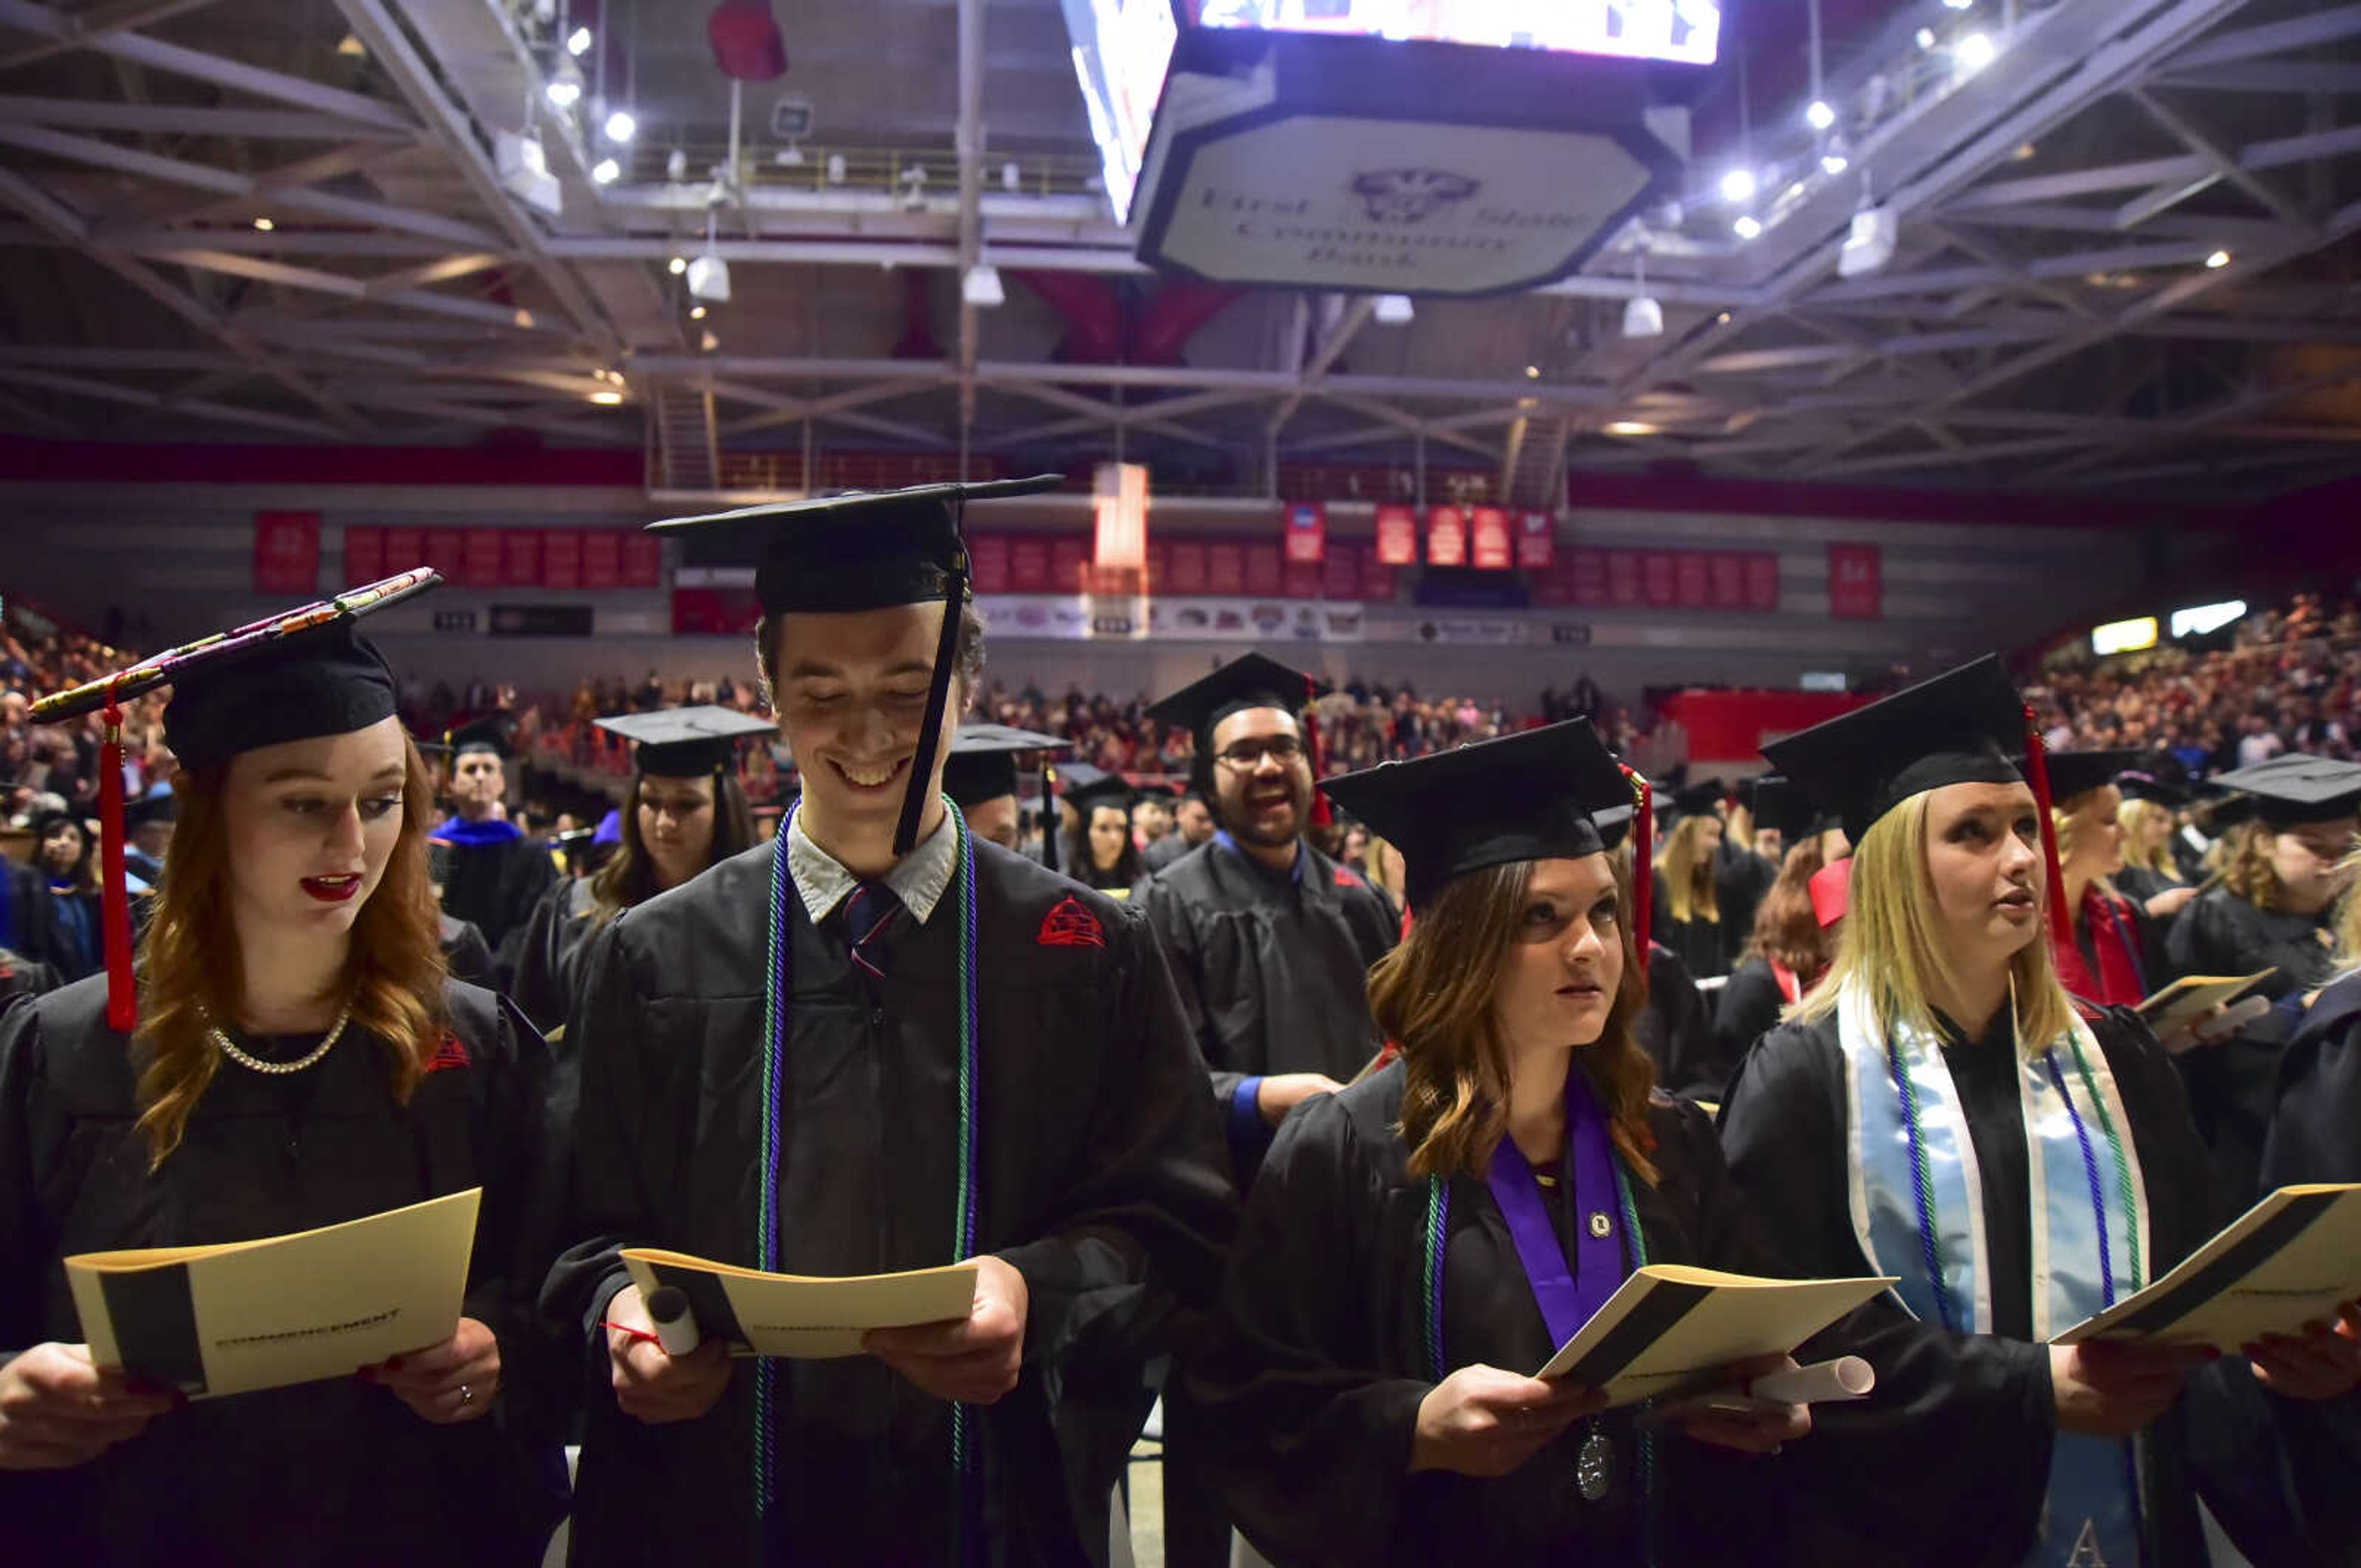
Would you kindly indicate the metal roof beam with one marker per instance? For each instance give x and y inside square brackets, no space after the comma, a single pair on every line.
[86,28]
[2272,37]
[187,120]
[2222,164]
[112,392]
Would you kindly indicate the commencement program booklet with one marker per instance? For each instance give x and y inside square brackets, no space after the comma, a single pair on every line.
[2287,1261]
[262,1314]
[1669,1326]
[2178,1005]
[797,1315]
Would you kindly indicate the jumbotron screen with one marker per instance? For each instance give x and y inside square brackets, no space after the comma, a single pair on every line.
[1689,31]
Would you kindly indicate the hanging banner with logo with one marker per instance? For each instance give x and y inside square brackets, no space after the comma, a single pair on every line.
[1855,589]
[1070,554]
[1396,536]
[1028,564]
[1489,546]
[286,551]
[364,556]
[1536,540]
[1446,536]
[1307,532]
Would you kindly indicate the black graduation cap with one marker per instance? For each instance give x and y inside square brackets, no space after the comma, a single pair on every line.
[2140,784]
[489,733]
[2079,772]
[1779,803]
[2230,811]
[2295,788]
[1963,727]
[684,742]
[983,763]
[1691,800]
[162,806]
[1249,682]
[868,550]
[1547,793]
[1088,788]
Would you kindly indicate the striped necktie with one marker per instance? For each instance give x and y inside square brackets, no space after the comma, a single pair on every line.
[867,913]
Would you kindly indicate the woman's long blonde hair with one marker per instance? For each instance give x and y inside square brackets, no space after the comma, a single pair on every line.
[2137,815]
[1434,992]
[1685,871]
[2348,915]
[2066,820]
[1892,946]
[190,970]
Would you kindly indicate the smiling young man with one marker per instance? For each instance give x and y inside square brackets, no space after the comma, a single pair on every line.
[880,1043]
[494,874]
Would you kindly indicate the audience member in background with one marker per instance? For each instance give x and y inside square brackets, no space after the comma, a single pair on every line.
[1193,824]
[2152,874]
[494,874]
[1390,1290]
[2114,957]
[148,821]
[1099,852]
[2315,1127]
[1687,899]
[66,858]
[1270,943]
[1930,1112]
[1151,822]
[980,778]
[1745,866]
[1789,948]
[687,813]
[300,1060]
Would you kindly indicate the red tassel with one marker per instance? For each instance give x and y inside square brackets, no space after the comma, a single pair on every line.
[115,906]
[2037,770]
[1320,814]
[1643,868]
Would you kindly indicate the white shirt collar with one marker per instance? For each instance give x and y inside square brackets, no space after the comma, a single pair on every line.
[918,879]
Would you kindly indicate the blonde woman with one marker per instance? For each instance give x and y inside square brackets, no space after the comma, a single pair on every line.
[1938,1109]
[2282,877]
[1417,1243]
[1687,916]
[2108,952]
[2151,822]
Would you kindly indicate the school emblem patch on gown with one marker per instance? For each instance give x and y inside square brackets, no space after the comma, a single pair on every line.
[450,1056]
[1071,925]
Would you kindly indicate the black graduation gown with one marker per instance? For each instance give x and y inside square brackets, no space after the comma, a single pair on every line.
[1747,1009]
[33,928]
[1318,1360]
[1272,970]
[1676,1029]
[2221,934]
[1964,1422]
[1701,943]
[2315,1130]
[1101,1182]
[547,953]
[465,953]
[331,1473]
[495,886]
[1742,880]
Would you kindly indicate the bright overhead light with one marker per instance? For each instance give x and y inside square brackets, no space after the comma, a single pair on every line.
[565,89]
[709,278]
[1748,227]
[1631,427]
[1834,163]
[1958,5]
[606,171]
[1974,52]
[981,287]
[709,343]
[1394,309]
[696,312]
[608,397]
[1532,372]
[265,226]
[1643,316]
[1819,116]
[1738,185]
[351,48]
[1926,38]
[1722,320]
[577,43]
[676,266]
[620,126]
[2218,260]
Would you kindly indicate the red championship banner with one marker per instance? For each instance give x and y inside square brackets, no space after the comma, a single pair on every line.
[1160,566]
[1070,554]
[1446,536]
[447,551]
[286,552]
[1536,540]
[364,556]
[484,559]
[602,559]
[1490,549]
[1586,576]
[1623,578]
[1028,564]
[1762,580]
[1396,536]
[1300,580]
[1727,570]
[1225,567]
[405,549]
[642,560]
[1307,532]
[1657,574]
[987,559]
[1855,588]
[1340,574]
[521,557]
[1188,566]
[1693,580]
[561,558]
[1264,577]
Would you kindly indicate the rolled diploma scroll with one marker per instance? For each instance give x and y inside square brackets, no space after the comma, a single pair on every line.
[676,1324]
[1846,1378]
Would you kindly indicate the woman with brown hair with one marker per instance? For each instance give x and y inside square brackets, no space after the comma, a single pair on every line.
[686,812]
[1789,948]
[292,1057]
[1417,1242]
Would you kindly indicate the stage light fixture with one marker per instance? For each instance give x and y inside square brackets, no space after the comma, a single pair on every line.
[622,126]
[1819,116]
[1631,427]
[1532,372]
[1394,309]
[1833,162]
[606,171]
[1643,317]
[577,43]
[677,166]
[696,312]
[709,278]
[1748,227]
[1926,38]
[607,399]
[265,226]
[1738,185]
[523,168]
[2215,262]
[565,89]
[676,266]
[1974,52]
[982,288]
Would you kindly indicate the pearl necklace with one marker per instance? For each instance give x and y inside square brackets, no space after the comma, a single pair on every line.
[228,1047]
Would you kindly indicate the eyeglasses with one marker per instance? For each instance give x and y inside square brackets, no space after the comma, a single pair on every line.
[1247,755]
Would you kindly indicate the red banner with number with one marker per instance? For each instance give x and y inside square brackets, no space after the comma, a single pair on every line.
[1377,578]
[987,557]
[1446,536]
[1536,540]
[1028,564]
[364,556]
[1856,589]
[405,548]
[1340,574]
[1490,548]
[286,551]
[1264,576]
[1068,555]
[1396,536]
[1307,532]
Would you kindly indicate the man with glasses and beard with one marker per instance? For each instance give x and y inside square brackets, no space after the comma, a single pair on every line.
[1271,944]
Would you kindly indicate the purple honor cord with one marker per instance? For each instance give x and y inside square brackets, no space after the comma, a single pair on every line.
[1567,1299]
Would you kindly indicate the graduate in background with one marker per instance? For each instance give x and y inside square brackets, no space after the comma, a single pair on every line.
[2153,875]
[298,1059]
[875,1043]
[2315,1131]
[686,812]
[492,875]
[1098,852]
[2114,955]
[1753,850]
[1789,948]
[1938,1109]
[1687,890]
[981,779]
[1420,1242]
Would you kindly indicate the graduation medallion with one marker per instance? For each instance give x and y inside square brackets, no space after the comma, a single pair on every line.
[1593,1466]
[1601,1225]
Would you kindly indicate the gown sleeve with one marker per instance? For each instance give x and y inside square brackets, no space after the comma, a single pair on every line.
[24,1251]
[538,986]
[1316,1466]
[1691,1067]
[1167,918]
